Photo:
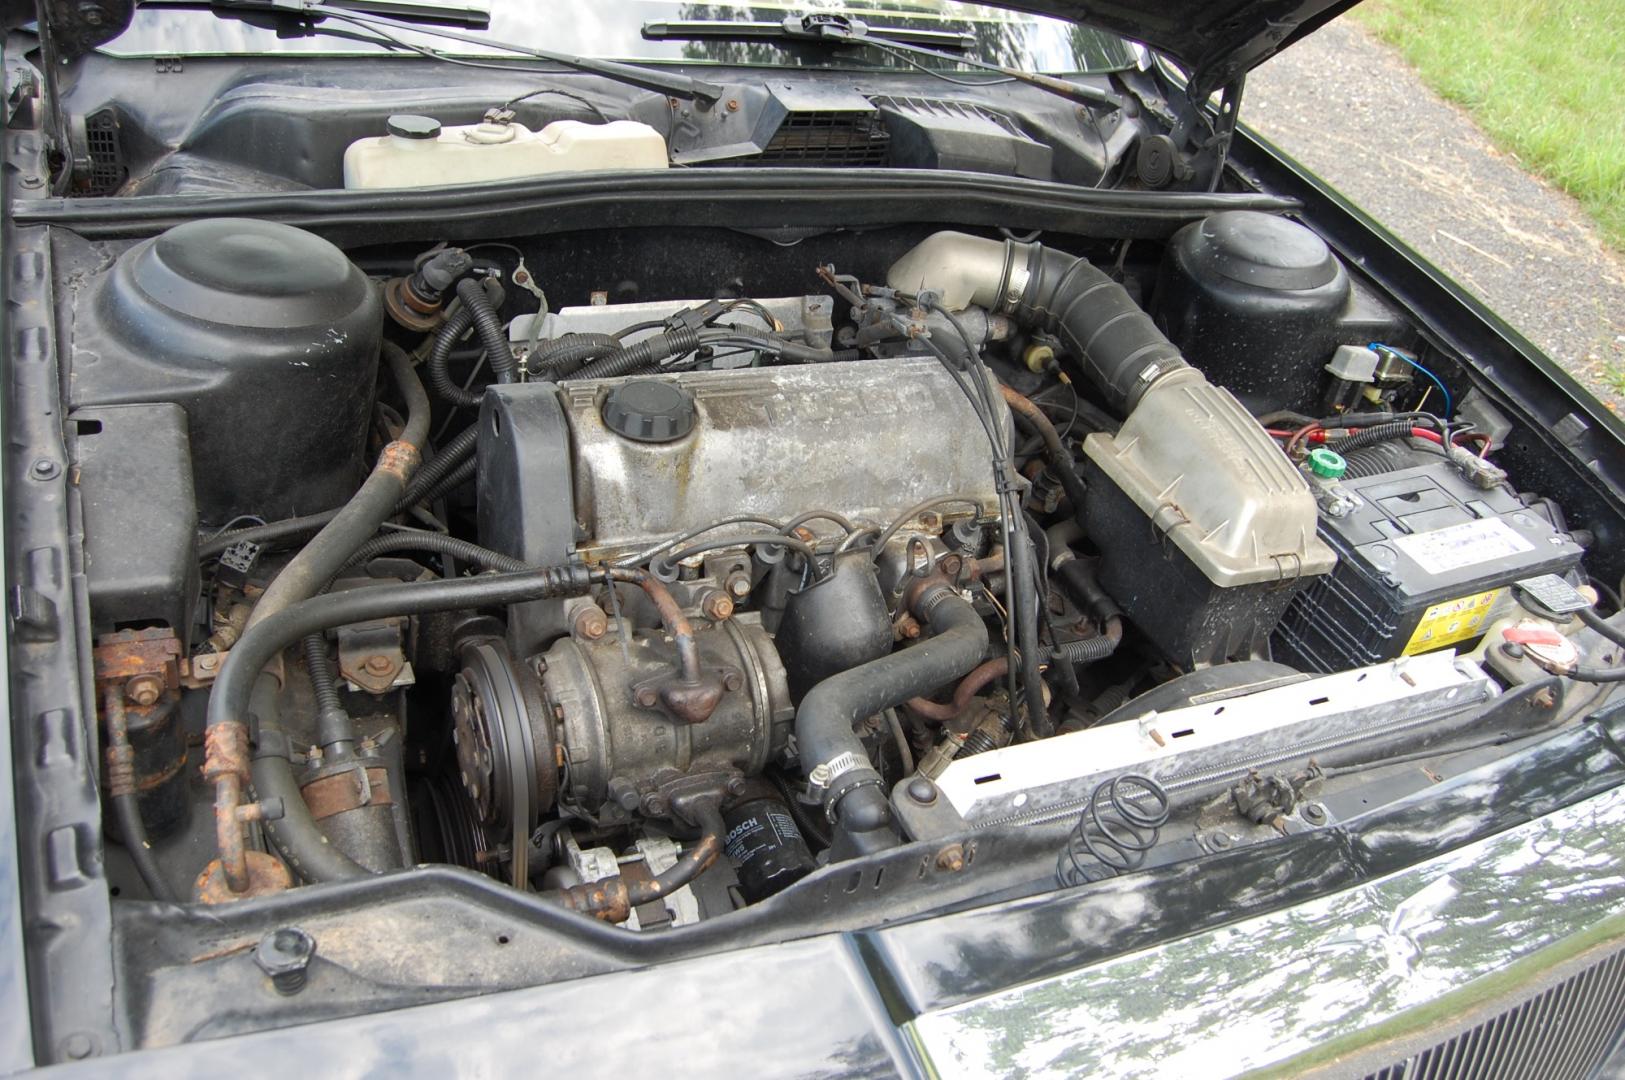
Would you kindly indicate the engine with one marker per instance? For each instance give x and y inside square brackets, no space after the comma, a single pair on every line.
[654,608]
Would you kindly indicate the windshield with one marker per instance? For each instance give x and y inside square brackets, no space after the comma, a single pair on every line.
[613,30]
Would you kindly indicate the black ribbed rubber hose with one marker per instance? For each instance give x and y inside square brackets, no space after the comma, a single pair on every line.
[335,731]
[445,462]
[498,353]
[561,357]
[445,340]
[440,544]
[1371,436]
[647,353]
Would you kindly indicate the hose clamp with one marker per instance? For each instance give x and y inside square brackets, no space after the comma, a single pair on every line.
[838,777]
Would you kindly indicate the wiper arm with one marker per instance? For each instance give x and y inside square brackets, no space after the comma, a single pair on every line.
[726,30]
[840,30]
[361,13]
[475,13]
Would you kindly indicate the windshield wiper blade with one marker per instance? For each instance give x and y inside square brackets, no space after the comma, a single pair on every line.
[724,30]
[841,30]
[358,13]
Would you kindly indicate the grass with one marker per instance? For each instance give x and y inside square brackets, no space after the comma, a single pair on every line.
[1544,78]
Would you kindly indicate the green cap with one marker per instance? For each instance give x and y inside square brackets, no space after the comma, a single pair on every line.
[1327,463]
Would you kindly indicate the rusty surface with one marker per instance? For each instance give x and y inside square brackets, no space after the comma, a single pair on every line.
[717,605]
[606,899]
[263,875]
[409,309]
[120,757]
[225,765]
[692,694]
[131,654]
[590,622]
[951,858]
[400,459]
[968,688]
[372,654]
[343,791]
[202,670]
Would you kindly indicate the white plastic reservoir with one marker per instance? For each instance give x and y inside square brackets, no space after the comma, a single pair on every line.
[418,152]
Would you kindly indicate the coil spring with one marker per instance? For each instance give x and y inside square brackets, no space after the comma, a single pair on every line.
[1114,832]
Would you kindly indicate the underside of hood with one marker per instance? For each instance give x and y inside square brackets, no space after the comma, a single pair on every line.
[1215,40]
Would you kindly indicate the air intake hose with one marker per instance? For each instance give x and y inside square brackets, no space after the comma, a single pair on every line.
[1120,348]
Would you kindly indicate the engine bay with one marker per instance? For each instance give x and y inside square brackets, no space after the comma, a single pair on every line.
[661,575]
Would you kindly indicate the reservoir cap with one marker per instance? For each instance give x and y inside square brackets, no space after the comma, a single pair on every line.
[410,126]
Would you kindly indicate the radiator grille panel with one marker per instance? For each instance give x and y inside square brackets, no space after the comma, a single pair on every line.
[1561,1033]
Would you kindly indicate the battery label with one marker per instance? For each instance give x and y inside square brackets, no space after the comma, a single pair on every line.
[1467,544]
[1452,621]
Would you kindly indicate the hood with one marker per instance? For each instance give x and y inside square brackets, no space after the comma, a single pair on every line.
[1215,40]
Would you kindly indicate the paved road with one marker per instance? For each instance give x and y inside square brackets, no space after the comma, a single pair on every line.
[1347,107]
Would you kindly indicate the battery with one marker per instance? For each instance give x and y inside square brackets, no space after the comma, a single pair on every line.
[1423,559]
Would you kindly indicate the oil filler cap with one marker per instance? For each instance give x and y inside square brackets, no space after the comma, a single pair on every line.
[649,410]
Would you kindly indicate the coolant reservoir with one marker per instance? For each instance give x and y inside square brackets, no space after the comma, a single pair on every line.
[418,152]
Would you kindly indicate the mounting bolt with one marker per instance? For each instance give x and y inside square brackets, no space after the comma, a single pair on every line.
[731,681]
[736,786]
[144,690]
[1219,840]
[654,805]
[739,585]
[378,664]
[285,954]
[590,623]
[1313,813]
[718,606]
[922,791]
[646,697]
[43,469]
[951,858]
[951,565]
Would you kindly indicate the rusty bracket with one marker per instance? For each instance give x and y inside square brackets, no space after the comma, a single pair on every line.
[145,662]
[353,788]
[686,703]
[372,655]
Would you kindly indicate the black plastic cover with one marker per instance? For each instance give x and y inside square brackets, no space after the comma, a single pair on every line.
[134,474]
[1253,300]
[266,335]
[526,497]
[1172,601]
[934,133]
[834,624]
